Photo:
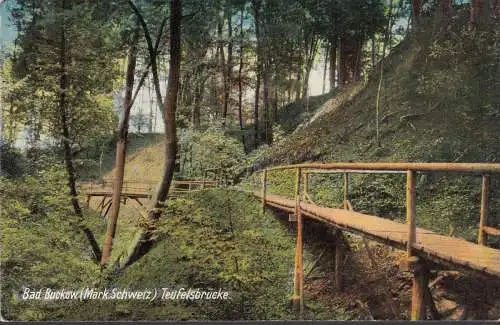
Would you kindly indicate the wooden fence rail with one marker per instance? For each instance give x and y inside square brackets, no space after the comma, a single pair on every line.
[410,169]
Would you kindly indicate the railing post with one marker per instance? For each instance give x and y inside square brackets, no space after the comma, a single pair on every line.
[415,265]
[297,190]
[306,184]
[483,221]
[410,210]
[298,289]
[264,189]
[346,189]
[339,257]
[203,180]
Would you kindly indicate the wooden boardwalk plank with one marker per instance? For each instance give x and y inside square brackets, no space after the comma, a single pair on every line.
[453,250]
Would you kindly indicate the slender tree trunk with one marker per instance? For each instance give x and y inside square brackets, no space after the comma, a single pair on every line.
[325,68]
[373,39]
[256,111]
[357,64]
[121,149]
[146,242]
[342,78]
[298,85]
[240,82]
[229,67]
[333,62]
[275,103]
[64,84]
[476,12]
[221,63]
[153,52]
[265,75]
[256,5]
[150,121]
[311,54]
[12,127]
[416,6]
[379,90]
[198,99]
[290,90]
[374,51]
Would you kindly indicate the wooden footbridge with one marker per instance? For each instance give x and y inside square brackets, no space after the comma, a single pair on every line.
[425,249]
[139,190]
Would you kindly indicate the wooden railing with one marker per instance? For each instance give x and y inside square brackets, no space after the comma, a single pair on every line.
[410,169]
[149,186]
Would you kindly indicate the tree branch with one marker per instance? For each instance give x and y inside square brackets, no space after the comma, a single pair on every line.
[152,49]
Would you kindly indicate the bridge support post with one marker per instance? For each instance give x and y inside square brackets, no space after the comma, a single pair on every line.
[339,258]
[298,287]
[420,287]
[483,221]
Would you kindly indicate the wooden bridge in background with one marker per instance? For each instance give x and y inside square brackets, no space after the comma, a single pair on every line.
[139,190]
[425,249]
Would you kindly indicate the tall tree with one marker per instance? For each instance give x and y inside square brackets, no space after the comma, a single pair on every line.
[240,78]
[64,86]
[229,64]
[70,74]
[158,201]
[379,89]
[121,147]
[256,6]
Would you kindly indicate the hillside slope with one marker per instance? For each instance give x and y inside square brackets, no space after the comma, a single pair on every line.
[439,103]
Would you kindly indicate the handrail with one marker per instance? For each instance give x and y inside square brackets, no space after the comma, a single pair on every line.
[408,168]
[400,166]
[110,180]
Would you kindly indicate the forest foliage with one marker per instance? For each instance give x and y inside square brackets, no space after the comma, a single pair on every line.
[229,81]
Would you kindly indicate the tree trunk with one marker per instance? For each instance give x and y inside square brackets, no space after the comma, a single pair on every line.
[153,52]
[256,5]
[325,68]
[275,103]
[416,5]
[229,66]
[121,150]
[151,102]
[333,62]
[146,241]
[374,51]
[476,12]
[240,82]
[256,111]
[342,62]
[379,89]
[357,62]
[311,53]
[298,85]
[265,75]
[221,65]
[64,84]
[445,7]
[198,99]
